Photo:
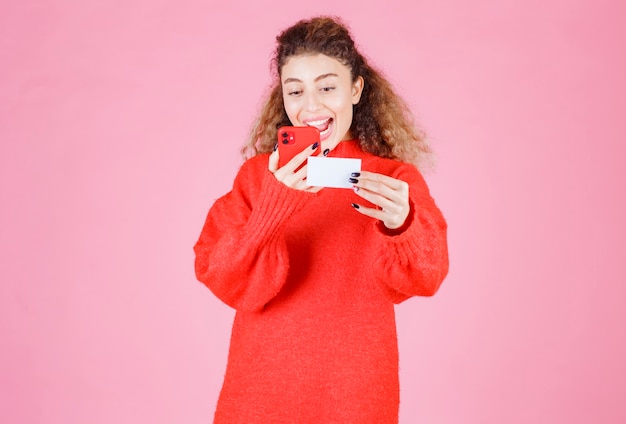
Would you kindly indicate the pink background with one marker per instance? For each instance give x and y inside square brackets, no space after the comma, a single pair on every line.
[120,123]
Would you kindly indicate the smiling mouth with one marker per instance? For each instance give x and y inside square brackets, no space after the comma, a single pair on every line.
[323,125]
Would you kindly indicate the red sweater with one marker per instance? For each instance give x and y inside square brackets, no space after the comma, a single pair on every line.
[314,282]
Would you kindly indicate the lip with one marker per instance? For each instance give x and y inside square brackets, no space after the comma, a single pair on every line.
[325,122]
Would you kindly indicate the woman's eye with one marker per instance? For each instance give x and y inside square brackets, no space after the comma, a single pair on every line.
[327,89]
[294,92]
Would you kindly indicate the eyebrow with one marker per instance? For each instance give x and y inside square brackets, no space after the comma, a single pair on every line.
[321,77]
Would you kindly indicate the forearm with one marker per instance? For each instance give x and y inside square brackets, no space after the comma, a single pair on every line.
[241,254]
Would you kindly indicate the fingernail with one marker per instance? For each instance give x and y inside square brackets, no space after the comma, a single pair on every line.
[355,188]
[353,180]
[355,206]
[315,146]
[275,146]
[356,174]
[326,152]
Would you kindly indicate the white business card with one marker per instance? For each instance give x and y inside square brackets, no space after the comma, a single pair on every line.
[331,172]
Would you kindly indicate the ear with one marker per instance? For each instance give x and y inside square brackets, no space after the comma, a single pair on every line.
[357,89]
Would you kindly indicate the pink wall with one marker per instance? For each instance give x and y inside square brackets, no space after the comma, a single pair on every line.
[120,123]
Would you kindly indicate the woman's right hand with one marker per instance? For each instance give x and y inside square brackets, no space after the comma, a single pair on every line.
[288,174]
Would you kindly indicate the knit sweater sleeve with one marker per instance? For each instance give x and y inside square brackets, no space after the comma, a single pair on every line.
[414,260]
[241,254]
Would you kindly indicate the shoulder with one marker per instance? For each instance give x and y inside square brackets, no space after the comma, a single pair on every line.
[255,164]
[252,170]
[249,179]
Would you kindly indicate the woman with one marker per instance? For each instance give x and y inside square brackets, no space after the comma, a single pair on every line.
[314,273]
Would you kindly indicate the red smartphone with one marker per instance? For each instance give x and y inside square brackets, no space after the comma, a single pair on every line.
[293,140]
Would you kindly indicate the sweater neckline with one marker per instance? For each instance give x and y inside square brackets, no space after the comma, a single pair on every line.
[344,148]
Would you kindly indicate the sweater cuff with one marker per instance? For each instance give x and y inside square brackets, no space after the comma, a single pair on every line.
[275,205]
[404,241]
[397,231]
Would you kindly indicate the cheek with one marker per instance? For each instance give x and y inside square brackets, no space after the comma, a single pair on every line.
[343,107]
[291,108]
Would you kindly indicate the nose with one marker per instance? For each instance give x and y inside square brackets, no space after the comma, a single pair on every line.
[312,101]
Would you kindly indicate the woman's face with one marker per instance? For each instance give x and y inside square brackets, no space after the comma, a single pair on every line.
[318,91]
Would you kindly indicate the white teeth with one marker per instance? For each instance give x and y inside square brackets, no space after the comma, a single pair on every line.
[317,123]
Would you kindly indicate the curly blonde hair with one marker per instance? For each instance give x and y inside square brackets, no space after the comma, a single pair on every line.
[382,122]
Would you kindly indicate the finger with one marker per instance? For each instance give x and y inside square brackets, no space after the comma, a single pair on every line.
[381,195]
[391,182]
[372,213]
[391,220]
[397,191]
[296,179]
[289,174]
[300,174]
[300,182]
[382,202]
[301,157]
[389,194]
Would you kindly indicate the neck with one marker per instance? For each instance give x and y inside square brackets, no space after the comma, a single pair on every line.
[330,145]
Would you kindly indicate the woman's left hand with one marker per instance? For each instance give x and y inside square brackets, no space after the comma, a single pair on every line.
[389,194]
